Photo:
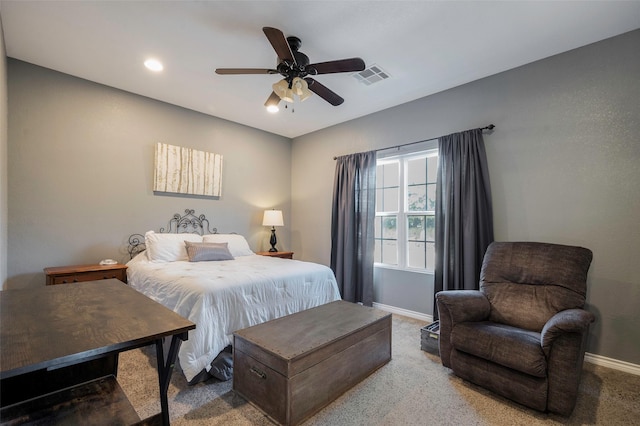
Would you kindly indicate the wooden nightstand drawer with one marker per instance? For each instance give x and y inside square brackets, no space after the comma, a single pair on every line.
[79,273]
[281,254]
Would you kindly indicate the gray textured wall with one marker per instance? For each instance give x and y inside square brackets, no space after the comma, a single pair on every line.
[81,172]
[563,162]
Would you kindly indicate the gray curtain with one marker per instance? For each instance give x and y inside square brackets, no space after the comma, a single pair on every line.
[464,216]
[352,226]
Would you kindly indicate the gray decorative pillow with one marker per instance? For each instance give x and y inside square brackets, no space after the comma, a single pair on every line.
[199,252]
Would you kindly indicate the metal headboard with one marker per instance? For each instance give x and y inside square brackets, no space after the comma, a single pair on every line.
[188,223]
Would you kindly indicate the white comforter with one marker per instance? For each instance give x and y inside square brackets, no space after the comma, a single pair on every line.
[225,296]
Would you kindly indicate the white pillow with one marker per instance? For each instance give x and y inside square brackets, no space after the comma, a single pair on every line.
[168,247]
[237,244]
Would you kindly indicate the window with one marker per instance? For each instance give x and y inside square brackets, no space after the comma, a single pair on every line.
[405,211]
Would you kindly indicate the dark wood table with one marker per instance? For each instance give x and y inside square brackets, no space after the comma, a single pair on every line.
[54,328]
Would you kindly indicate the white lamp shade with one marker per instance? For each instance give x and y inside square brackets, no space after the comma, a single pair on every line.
[281,88]
[300,88]
[272,218]
[288,96]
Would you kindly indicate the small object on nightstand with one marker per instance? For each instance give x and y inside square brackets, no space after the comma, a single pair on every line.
[280,254]
[78,273]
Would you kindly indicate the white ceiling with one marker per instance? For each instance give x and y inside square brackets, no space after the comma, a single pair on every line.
[425,46]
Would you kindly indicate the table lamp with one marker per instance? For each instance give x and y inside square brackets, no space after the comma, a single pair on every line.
[273,218]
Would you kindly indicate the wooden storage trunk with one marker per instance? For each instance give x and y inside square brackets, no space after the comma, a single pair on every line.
[293,366]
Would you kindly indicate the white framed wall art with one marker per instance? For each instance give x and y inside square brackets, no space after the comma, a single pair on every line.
[187,171]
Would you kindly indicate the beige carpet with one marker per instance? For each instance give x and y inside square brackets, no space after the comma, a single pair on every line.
[412,389]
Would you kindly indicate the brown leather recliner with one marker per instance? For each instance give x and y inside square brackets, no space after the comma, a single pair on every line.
[522,335]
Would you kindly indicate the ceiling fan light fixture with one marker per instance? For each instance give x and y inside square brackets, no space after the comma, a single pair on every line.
[300,88]
[282,89]
[288,96]
[280,86]
[272,103]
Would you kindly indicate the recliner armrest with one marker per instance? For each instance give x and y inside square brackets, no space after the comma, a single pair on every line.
[455,306]
[567,321]
[465,305]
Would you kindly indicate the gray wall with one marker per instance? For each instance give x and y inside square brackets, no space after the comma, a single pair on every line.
[81,172]
[4,212]
[563,162]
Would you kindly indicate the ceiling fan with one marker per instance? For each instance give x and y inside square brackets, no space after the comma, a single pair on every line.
[294,66]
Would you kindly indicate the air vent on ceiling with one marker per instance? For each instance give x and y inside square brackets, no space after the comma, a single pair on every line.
[371,75]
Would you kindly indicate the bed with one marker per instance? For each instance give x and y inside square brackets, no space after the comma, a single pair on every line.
[216,281]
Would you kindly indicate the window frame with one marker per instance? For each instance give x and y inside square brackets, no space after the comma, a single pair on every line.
[402,214]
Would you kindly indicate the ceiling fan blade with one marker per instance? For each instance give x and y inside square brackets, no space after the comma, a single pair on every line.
[274,99]
[323,92]
[279,43]
[232,71]
[341,65]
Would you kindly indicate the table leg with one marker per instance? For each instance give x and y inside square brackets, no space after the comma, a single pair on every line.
[165,368]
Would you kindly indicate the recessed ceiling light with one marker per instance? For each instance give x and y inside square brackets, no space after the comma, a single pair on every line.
[153,65]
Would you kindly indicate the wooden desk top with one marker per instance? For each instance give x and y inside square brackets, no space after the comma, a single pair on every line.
[60,325]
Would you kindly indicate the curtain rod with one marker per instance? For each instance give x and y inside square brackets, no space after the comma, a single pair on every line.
[489,127]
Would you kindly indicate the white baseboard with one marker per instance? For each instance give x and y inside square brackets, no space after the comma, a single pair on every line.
[603,361]
[404,312]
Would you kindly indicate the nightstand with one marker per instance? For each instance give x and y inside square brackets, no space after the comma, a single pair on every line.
[281,254]
[77,273]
